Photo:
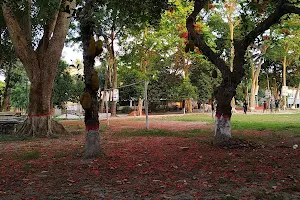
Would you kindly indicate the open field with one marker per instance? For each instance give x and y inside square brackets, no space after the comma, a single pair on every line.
[173,160]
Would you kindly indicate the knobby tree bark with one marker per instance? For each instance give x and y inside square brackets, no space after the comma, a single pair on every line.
[227,89]
[40,64]
[91,120]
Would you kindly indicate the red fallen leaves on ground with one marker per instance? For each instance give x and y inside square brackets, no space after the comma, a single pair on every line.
[148,168]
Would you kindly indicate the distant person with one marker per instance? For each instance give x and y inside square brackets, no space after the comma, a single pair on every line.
[265,107]
[245,106]
[276,106]
[271,105]
[212,110]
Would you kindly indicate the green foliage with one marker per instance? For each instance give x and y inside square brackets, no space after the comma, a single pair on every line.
[66,87]
[30,155]
[18,84]
[164,86]
[186,90]
[201,77]
[4,138]
[126,109]
[19,95]
[127,77]
[138,13]
[2,86]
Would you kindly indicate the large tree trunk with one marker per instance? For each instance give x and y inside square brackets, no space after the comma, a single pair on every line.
[91,120]
[39,122]
[40,63]
[223,94]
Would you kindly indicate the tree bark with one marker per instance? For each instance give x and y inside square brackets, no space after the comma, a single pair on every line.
[39,122]
[254,86]
[223,94]
[296,96]
[140,107]
[91,120]
[115,82]
[189,105]
[6,101]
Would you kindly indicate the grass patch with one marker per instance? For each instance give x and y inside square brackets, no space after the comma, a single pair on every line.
[163,133]
[31,155]
[192,118]
[4,138]
[285,123]
[27,167]
[60,155]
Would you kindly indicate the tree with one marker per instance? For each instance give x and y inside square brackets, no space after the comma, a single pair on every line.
[286,45]
[255,63]
[227,89]
[19,95]
[138,11]
[66,87]
[200,75]
[39,55]
[17,85]
[8,63]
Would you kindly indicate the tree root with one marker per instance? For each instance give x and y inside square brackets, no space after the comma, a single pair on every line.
[41,127]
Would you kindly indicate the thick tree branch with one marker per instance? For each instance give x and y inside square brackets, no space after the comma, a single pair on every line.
[57,40]
[22,46]
[28,24]
[265,25]
[199,40]
[281,9]
[291,8]
[48,31]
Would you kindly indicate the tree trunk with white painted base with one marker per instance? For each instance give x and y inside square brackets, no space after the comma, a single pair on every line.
[231,78]
[222,130]
[223,96]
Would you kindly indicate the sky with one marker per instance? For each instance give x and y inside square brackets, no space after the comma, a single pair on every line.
[70,54]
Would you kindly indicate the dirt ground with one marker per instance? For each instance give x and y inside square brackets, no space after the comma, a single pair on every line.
[150,167]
